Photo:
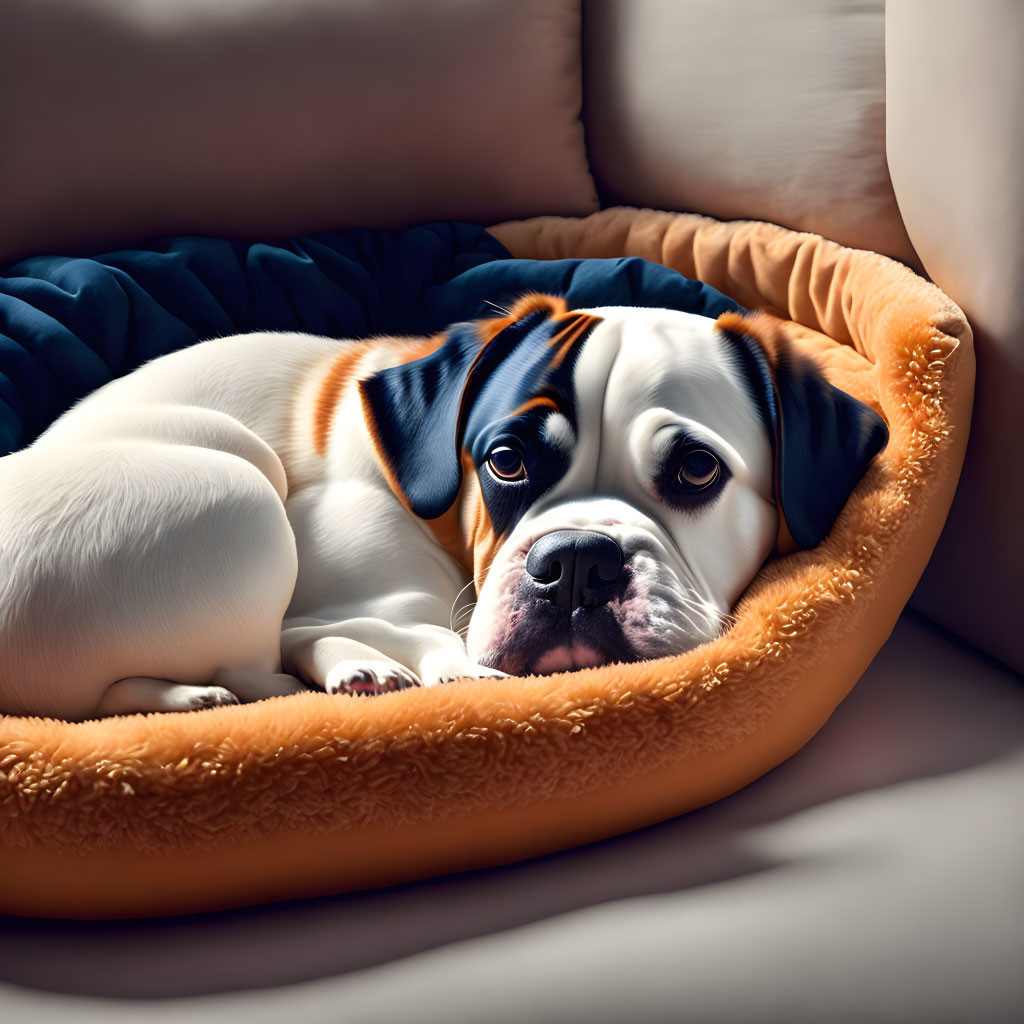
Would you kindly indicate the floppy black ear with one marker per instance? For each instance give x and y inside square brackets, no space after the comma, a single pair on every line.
[825,441]
[417,411]
[413,413]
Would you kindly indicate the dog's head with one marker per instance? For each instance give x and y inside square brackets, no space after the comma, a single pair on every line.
[618,475]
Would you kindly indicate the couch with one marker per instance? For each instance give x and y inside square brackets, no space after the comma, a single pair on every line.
[876,875]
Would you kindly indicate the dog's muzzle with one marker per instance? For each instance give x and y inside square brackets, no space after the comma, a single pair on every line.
[577,598]
[573,568]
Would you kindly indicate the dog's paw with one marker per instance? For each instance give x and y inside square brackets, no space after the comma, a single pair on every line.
[208,697]
[368,678]
[450,674]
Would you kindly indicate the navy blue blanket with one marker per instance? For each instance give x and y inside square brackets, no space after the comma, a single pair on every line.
[69,325]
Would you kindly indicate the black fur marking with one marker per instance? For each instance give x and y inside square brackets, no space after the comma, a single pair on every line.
[465,397]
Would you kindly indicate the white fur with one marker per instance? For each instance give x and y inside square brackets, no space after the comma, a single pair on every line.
[176,529]
[175,541]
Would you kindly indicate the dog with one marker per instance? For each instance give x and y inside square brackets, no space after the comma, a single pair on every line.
[265,513]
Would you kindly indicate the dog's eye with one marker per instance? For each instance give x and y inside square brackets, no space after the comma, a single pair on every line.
[699,469]
[506,463]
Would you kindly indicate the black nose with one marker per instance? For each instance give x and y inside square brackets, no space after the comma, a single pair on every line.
[574,568]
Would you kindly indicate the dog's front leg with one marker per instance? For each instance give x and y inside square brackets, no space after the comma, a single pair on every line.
[370,655]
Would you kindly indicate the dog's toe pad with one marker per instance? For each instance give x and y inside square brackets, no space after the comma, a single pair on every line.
[209,697]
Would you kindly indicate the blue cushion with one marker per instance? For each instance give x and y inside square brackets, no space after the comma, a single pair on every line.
[69,325]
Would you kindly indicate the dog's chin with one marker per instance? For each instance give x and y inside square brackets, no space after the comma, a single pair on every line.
[537,638]
[543,640]
[566,657]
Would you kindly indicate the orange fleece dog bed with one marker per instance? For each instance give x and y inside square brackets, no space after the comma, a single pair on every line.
[310,794]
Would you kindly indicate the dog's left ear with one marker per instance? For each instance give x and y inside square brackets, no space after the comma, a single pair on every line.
[417,411]
[824,439]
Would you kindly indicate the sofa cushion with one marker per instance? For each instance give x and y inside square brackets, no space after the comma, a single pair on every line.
[772,110]
[123,122]
[965,210]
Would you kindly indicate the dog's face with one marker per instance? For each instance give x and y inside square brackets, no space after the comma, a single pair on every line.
[657,512]
[617,473]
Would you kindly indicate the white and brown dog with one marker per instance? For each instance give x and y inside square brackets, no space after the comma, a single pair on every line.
[265,512]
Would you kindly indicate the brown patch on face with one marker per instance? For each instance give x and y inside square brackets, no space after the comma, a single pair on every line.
[448,529]
[540,402]
[577,327]
[767,330]
[481,539]
[533,302]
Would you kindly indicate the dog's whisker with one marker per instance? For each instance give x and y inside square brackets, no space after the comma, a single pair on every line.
[698,614]
[455,603]
[690,619]
[686,608]
[462,619]
[707,617]
[714,622]
[500,309]
[702,607]
[463,616]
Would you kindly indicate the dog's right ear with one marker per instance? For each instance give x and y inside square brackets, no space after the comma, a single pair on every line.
[412,411]
[417,411]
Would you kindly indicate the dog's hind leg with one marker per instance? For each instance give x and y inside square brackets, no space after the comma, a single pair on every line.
[228,686]
[134,573]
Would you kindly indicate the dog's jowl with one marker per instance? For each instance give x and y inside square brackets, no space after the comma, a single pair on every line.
[268,512]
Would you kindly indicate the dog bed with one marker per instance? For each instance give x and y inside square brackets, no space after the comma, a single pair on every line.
[310,794]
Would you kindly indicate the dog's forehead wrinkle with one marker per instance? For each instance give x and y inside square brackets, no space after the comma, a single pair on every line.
[693,382]
[681,368]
